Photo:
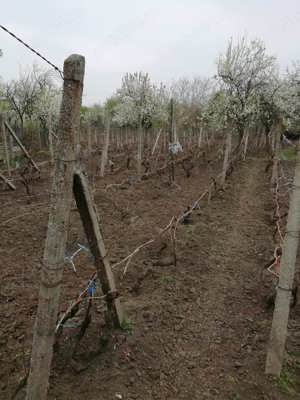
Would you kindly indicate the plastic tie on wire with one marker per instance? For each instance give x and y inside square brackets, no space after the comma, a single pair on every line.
[70,257]
[92,288]
[175,147]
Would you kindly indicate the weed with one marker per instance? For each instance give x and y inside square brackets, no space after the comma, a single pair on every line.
[127,326]
[235,396]
[165,279]
[288,154]
[286,382]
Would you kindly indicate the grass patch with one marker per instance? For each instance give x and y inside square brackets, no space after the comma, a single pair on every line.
[287,382]
[288,154]
[166,279]
[127,326]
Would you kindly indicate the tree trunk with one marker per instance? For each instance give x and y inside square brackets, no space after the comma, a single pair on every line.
[287,271]
[21,127]
[241,133]
[268,145]
[226,157]
[207,140]
[54,252]
[246,144]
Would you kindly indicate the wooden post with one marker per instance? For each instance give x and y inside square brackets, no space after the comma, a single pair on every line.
[156,141]
[20,144]
[104,154]
[165,143]
[91,226]
[54,253]
[126,136]
[207,139]
[171,139]
[7,182]
[200,137]
[50,139]
[96,137]
[89,140]
[140,148]
[276,154]
[278,335]
[7,156]
[39,137]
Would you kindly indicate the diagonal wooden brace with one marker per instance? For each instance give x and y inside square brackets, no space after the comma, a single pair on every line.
[90,221]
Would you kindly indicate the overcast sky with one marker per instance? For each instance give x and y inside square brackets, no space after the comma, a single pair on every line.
[166,38]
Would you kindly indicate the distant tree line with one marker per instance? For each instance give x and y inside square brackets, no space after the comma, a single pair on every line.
[247,91]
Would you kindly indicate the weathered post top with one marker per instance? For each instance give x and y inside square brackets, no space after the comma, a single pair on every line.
[74,67]
[68,127]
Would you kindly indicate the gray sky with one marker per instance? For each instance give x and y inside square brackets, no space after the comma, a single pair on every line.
[166,38]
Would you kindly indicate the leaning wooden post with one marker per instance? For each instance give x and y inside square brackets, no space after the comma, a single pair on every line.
[20,144]
[7,182]
[90,221]
[54,253]
[278,335]
[156,141]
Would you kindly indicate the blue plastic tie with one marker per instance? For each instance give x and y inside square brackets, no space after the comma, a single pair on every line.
[91,288]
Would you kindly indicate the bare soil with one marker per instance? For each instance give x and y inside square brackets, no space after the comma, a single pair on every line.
[197,330]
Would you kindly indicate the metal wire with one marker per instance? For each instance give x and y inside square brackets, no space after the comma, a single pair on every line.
[34,51]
